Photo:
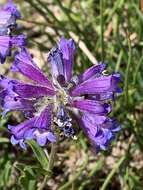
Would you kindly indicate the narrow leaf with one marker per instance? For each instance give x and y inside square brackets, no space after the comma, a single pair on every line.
[39,153]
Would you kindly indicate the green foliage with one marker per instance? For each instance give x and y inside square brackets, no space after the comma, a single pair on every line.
[40,154]
[111,31]
[27,178]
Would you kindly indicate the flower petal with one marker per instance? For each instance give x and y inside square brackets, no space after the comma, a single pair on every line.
[3,93]
[4,17]
[99,129]
[19,130]
[29,134]
[51,137]
[7,42]
[104,122]
[4,81]
[16,103]
[13,140]
[98,85]
[30,91]
[67,48]
[18,41]
[103,96]
[43,137]
[93,72]
[56,61]
[5,45]
[23,145]
[37,128]
[11,7]
[24,64]
[92,106]
[61,60]
[44,120]
[7,22]
[89,127]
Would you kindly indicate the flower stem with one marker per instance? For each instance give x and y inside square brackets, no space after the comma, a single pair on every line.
[50,166]
[128,72]
[52,155]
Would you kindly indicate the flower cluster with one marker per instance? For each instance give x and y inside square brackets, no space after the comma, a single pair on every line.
[50,103]
[8,16]
[51,107]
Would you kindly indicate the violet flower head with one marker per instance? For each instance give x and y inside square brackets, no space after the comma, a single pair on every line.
[86,96]
[8,17]
[51,107]
[33,99]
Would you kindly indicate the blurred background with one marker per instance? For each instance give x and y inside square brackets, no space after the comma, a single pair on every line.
[104,31]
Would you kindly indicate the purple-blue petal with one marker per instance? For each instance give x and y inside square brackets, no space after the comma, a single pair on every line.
[51,137]
[23,145]
[37,128]
[4,17]
[41,139]
[4,81]
[5,45]
[98,85]
[18,41]
[3,94]
[16,103]
[56,61]
[67,48]
[11,8]
[13,140]
[93,72]
[44,119]
[7,42]
[29,134]
[25,90]
[100,130]
[92,106]
[19,130]
[24,63]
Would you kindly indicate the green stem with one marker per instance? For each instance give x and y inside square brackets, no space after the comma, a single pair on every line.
[102,30]
[52,155]
[119,61]
[50,166]
[127,72]
[111,174]
[137,69]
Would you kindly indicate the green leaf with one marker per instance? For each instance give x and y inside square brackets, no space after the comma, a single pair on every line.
[4,140]
[40,154]
[28,179]
[7,172]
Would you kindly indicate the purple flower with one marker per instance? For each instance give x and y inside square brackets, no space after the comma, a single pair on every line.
[29,98]
[100,129]
[52,106]
[38,127]
[11,7]
[8,16]
[61,59]
[8,42]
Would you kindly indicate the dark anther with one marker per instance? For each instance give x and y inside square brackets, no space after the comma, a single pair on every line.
[2,77]
[15,99]
[67,127]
